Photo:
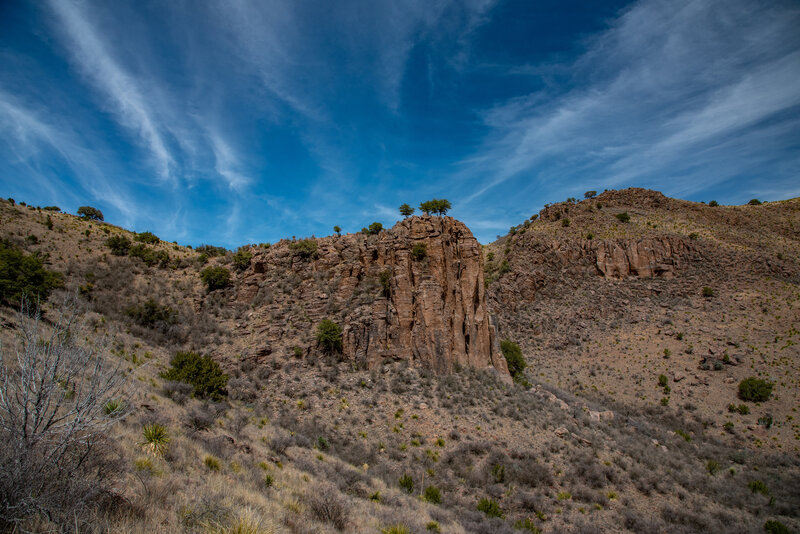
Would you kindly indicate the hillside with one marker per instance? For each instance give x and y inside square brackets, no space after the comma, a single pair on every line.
[316,440]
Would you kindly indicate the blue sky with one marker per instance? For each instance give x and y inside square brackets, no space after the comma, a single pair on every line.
[243,122]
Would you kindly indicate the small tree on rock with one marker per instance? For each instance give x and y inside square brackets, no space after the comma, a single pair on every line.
[215,277]
[329,336]
[590,194]
[406,210]
[338,230]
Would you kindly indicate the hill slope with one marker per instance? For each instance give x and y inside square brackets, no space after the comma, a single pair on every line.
[307,442]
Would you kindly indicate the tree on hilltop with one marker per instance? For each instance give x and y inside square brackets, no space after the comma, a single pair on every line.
[435,207]
[406,210]
[88,212]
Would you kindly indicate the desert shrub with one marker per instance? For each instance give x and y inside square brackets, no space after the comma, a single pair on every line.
[419,251]
[215,277]
[199,419]
[514,358]
[90,213]
[152,314]
[305,248]
[119,245]
[24,274]
[708,292]
[386,282]
[202,372]
[490,507]
[662,380]
[178,392]
[407,483]
[241,260]
[54,460]
[623,217]
[712,467]
[432,495]
[773,526]
[396,529]
[211,251]
[156,438]
[713,204]
[51,208]
[754,202]
[758,486]
[375,228]
[149,256]
[565,222]
[212,463]
[329,336]
[328,506]
[590,194]
[755,389]
[147,237]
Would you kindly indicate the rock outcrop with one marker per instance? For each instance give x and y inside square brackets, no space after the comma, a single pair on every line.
[643,258]
[428,309]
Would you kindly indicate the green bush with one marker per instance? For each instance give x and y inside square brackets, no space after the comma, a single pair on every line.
[211,251]
[774,526]
[212,463]
[147,237]
[758,486]
[662,380]
[712,467]
[119,245]
[156,438]
[754,202]
[202,372]
[590,194]
[241,260]
[386,282]
[713,204]
[754,389]
[432,495]
[215,277]
[406,210]
[149,256]
[90,213]
[329,336]
[51,208]
[407,483]
[375,228]
[565,222]
[151,313]
[623,217]
[305,248]
[24,275]
[708,292]
[490,507]
[514,359]
[419,251]
[396,529]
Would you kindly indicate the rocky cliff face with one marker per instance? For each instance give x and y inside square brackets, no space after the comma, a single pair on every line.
[391,303]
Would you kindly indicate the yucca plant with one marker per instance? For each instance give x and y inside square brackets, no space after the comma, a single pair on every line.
[113,407]
[156,438]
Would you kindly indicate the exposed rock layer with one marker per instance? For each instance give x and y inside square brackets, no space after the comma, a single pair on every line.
[429,311]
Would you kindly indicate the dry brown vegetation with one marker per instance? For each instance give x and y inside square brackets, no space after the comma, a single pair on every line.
[307,443]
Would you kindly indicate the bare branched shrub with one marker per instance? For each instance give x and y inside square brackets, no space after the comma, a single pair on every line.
[328,506]
[54,398]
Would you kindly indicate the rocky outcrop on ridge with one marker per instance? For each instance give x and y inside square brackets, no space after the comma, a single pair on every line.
[392,304]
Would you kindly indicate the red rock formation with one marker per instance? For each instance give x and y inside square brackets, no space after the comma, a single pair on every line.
[431,311]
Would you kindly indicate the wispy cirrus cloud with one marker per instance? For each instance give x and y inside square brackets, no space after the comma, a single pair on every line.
[667,96]
[124,96]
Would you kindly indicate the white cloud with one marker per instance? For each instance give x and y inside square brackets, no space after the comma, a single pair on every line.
[124,96]
[658,94]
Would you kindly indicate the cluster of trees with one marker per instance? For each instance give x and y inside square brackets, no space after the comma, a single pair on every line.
[436,206]
[90,213]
